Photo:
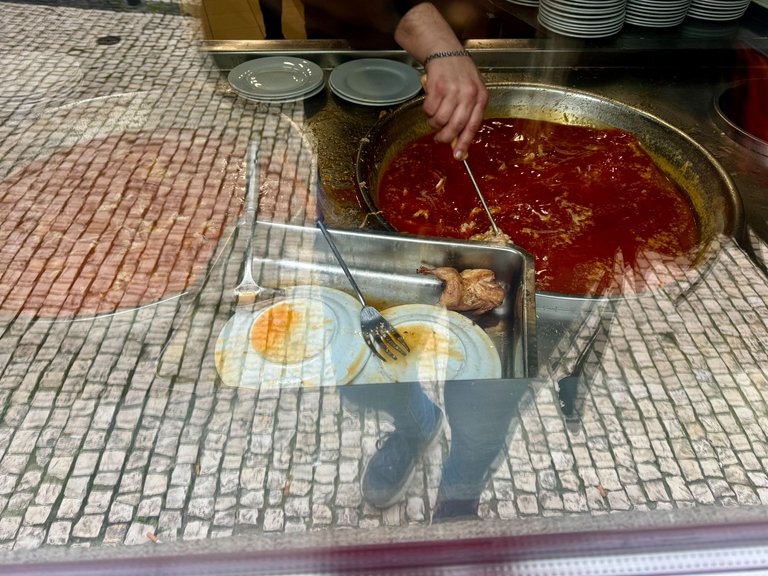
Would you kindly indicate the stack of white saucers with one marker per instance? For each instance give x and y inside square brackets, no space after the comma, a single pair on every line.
[277,79]
[532,3]
[656,13]
[582,18]
[375,81]
[718,10]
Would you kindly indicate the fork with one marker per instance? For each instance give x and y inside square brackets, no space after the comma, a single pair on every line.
[378,333]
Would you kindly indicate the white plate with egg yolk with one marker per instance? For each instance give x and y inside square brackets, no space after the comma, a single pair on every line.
[309,338]
[445,345]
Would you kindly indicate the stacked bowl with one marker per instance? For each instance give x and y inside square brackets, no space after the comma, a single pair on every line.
[656,13]
[582,18]
[718,10]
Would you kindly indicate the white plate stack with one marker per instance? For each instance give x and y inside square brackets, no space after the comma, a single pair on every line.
[277,79]
[531,3]
[375,82]
[583,18]
[718,10]
[656,13]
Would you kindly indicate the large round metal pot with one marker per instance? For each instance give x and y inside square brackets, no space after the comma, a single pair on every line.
[740,112]
[710,189]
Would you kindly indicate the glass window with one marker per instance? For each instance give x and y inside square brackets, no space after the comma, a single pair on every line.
[186,380]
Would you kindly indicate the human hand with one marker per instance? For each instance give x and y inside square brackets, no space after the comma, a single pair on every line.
[455,101]
[456,95]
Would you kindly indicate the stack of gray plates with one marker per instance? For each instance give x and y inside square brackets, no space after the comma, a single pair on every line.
[718,10]
[277,79]
[582,18]
[531,3]
[375,81]
[656,13]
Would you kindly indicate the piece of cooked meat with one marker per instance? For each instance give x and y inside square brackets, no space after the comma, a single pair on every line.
[473,289]
[491,236]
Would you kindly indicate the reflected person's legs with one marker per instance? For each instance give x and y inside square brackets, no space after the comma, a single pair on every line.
[272,11]
[479,415]
[417,422]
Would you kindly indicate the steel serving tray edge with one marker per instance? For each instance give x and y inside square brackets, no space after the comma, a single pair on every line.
[384,265]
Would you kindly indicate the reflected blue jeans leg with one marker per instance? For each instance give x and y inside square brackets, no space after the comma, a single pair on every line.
[479,414]
[412,411]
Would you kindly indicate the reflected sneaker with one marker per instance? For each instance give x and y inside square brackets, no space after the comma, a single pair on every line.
[390,470]
[447,510]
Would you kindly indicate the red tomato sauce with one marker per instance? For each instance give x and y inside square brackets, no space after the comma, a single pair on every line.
[590,205]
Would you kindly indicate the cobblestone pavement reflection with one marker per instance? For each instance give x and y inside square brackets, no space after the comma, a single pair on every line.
[97,449]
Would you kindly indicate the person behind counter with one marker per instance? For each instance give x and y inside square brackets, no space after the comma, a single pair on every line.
[272,13]
[455,93]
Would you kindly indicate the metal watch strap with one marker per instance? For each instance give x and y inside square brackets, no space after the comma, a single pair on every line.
[445,54]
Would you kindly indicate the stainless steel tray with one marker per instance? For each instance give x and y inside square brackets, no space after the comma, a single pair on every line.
[384,265]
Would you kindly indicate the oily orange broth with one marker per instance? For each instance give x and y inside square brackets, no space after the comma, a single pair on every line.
[590,205]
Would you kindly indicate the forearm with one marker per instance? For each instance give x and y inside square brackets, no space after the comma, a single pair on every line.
[423,31]
[455,93]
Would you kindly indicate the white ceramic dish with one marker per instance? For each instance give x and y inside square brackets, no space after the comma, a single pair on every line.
[582,18]
[281,100]
[581,32]
[310,338]
[375,81]
[445,345]
[717,11]
[276,78]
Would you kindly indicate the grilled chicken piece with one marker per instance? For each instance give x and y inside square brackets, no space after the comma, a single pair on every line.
[473,289]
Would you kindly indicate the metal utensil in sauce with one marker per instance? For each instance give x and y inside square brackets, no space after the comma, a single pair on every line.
[495,228]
